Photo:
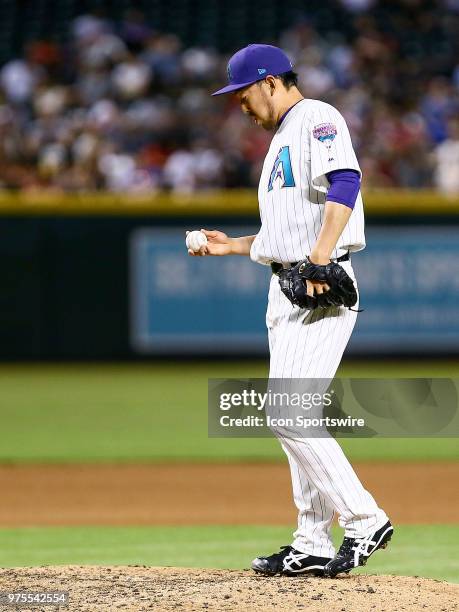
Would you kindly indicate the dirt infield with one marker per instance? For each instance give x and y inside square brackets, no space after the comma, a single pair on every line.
[186,494]
[139,589]
[205,494]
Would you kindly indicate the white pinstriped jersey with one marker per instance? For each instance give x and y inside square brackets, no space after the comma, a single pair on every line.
[312,140]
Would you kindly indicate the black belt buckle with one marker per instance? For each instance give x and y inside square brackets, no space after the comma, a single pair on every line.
[276,267]
[345,257]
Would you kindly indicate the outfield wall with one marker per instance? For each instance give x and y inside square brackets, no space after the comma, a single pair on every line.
[107,277]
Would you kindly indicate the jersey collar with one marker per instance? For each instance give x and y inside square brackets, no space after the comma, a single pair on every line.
[279,123]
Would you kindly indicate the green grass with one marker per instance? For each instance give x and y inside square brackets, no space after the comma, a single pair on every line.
[217,547]
[158,412]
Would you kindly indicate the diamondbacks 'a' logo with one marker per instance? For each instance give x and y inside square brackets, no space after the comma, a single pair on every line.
[282,169]
[229,72]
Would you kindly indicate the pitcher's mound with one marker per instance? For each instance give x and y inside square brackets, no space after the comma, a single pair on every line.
[140,589]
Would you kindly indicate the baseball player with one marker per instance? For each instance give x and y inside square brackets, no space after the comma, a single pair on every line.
[311,222]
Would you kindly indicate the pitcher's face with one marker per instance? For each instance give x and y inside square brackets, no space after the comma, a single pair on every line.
[256,102]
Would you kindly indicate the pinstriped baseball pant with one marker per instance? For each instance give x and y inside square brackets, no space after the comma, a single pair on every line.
[309,345]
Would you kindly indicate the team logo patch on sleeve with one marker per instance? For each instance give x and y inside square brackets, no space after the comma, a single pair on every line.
[325,133]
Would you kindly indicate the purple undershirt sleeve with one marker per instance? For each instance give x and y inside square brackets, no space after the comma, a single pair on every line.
[344,186]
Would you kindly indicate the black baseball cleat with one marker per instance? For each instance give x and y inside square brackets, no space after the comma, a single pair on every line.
[356,551]
[290,562]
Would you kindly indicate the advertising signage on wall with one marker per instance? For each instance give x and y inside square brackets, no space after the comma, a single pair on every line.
[408,281]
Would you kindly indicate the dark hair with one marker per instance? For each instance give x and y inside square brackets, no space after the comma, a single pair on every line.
[289,79]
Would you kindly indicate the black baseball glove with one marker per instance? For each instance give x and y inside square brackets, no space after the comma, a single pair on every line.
[342,291]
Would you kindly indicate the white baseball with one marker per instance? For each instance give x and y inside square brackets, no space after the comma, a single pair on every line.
[195,240]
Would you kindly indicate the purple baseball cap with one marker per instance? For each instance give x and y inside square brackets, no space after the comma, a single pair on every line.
[252,64]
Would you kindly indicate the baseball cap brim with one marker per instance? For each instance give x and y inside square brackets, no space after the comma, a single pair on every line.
[236,86]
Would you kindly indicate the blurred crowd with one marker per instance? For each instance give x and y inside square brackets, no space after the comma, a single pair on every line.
[126,108]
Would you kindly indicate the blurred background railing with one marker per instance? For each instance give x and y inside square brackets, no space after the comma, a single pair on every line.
[378,202]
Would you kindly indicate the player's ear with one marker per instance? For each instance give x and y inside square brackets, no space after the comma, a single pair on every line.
[271,82]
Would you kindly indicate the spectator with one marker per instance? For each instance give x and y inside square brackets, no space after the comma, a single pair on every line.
[18,79]
[125,108]
[446,161]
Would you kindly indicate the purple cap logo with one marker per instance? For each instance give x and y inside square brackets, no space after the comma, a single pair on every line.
[252,64]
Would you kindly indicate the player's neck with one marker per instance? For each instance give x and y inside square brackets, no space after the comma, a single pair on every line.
[292,97]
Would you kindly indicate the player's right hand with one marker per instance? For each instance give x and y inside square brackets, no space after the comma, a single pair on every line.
[218,243]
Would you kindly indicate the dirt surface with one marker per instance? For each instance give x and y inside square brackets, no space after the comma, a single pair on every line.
[214,493]
[140,589]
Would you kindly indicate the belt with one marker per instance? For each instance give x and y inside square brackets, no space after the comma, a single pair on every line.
[277,267]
